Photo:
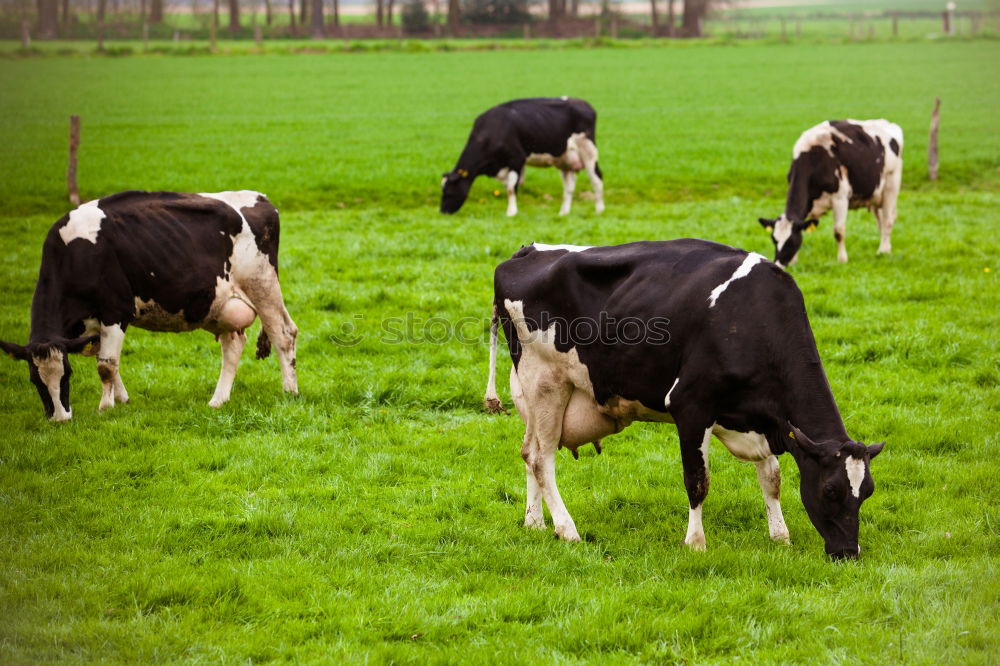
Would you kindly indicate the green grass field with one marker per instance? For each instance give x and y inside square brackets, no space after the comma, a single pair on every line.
[376,518]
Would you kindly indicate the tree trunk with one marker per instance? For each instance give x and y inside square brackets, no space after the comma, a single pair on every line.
[234,15]
[378,13]
[214,32]
[303,11]
[655,17]
[694,17]
[48,19]
[317,19]
[670,18]
[156,12]
[291,14]
[389,8]
[454,14]
[64,18]
[574,8]
[336,14]
[268,13]
[101,8]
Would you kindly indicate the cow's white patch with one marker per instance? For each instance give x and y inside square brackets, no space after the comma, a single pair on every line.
[782,231]
[542,247]
[744,269]
[821,135]
[50,371]
[502,175]
[749,446]
[84,222]
[855,474]
[666,401]
[238,200]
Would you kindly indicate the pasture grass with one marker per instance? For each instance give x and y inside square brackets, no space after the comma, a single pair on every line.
[376,517]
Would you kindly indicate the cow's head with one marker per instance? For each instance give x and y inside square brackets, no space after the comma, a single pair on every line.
[786,234]
[835,480]
[49,369]
[454,189]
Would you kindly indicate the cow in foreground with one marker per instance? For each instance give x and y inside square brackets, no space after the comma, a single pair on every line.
[840,164]
[164,262]
[689,332]
[541,132]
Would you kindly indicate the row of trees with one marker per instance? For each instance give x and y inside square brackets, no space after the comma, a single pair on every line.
[54,16]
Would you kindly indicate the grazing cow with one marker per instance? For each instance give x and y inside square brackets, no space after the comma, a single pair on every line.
[702,335]
[540,132]
[840,164]
[162,261]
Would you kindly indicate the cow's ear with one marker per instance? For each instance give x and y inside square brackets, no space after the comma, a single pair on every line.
[800,441]
[88,345]
[16,352]
[463,173]
[875,449]
[806,225]
[766,223]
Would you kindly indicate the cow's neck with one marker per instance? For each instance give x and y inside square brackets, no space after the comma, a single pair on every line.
[797,206]
[47,321]
[809,401]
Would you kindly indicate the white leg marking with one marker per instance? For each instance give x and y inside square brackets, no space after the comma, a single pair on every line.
[588,153]
[840,206]
[695,538]
[569,185]
[232,347]
[533,515]
[112,338]
[744,269]
[511,194]
[769,477]
[887,214]
[491,396]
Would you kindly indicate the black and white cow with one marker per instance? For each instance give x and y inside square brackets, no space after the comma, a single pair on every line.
[162,261]
[840,164]
[541,132]
[702,335]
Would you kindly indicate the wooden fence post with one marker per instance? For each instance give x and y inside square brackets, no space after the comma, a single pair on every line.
[798,28]
[784,35]
[74,144]
[258,35]
[614,27]
[895,25]
[932,145]
[145,36]
[25,34]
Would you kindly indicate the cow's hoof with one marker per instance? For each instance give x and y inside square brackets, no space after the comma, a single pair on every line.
[599,208]
[567,533]
[697,543]
[783,539]
[842,258]
[216,403]
[494,406]
[105,406]
[532,522]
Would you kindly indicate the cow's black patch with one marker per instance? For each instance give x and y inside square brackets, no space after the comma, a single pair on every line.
[894,145]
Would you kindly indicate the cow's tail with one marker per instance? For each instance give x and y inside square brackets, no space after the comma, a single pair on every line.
[263,345]
[491,401]
[597,169]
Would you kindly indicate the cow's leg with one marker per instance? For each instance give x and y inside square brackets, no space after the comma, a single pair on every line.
[694,457]
[886,214]
[569,186]
[112,338]
[280,328]
[546,407]
[588,153]
[511,183]
[840,205]
[533,515]
[232,343]
[769,477]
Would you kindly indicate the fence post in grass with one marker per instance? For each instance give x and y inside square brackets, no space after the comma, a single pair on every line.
[74,144]
[215,25]
[784,35]
[145,36]
[258,35]
[932,145]
[895,25]
[25,34]
[597,26]
[527,30]
[614,27]
[798,28]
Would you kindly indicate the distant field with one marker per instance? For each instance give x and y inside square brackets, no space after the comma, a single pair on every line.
[376,517]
